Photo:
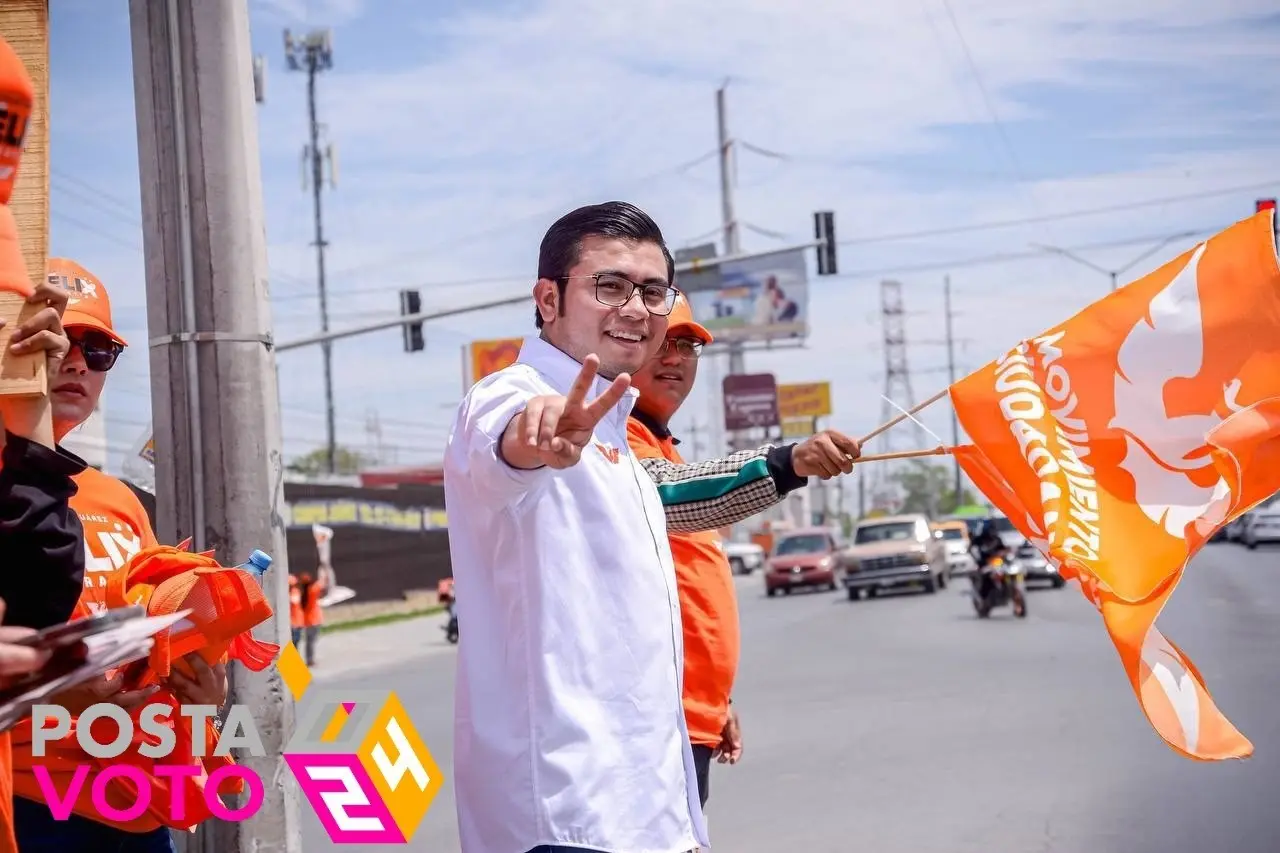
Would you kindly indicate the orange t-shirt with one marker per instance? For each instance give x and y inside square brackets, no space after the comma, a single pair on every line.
[8,840]
[116,528]
[708,610]
[312,612]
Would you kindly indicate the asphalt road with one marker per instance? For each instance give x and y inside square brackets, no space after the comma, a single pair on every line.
[906,725]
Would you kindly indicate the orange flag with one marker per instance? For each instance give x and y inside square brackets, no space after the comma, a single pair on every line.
[17,97]
[1119,441]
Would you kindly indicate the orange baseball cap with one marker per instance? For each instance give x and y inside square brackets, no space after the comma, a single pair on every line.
[89,306]
[681,320]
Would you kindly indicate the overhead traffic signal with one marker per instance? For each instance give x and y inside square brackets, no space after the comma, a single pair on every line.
[824,229]
[410,304]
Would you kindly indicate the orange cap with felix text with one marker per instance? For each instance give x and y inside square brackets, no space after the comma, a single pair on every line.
[88,305]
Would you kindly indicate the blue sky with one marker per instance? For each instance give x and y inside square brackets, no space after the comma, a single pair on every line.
[464,129]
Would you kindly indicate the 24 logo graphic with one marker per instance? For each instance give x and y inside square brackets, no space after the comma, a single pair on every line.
[362,766]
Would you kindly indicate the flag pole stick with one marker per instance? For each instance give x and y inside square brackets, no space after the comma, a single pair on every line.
[902,417]
[904,454]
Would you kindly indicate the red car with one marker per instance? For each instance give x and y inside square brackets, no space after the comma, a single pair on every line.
[802,558]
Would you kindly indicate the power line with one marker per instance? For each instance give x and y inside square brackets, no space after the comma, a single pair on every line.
[1053,217]
[1008,257]
[509,224]
[982,89]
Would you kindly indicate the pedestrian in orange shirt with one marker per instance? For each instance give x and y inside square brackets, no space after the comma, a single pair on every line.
[309,615]
[116,528]
[704,579]
[295,610]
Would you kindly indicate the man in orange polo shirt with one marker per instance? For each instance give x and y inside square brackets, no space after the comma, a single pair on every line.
[704,580]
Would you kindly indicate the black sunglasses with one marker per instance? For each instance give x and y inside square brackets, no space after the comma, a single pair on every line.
[99,351]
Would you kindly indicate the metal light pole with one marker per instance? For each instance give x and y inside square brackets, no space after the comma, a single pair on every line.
[313,54]
[1114,274]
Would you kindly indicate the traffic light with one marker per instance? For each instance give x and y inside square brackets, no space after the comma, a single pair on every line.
[824,229]
[411,303]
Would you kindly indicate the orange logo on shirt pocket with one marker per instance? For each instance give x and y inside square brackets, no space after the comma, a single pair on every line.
[610,453]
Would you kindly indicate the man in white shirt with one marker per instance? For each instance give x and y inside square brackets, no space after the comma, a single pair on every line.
[569,728]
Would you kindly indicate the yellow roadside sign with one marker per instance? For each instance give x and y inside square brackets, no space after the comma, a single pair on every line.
[804,400]
[798,427]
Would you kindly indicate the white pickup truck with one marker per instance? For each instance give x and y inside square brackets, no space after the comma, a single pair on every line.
[744,557]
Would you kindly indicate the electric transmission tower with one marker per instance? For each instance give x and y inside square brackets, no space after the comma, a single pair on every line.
[897,386]
[313,53]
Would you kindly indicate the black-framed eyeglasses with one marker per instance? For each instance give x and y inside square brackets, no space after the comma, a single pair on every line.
[99,351]
[687,348]
[616,290]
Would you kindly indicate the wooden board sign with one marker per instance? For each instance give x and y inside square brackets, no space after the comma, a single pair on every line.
[24,24]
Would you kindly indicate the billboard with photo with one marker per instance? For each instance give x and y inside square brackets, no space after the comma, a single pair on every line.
[764,298]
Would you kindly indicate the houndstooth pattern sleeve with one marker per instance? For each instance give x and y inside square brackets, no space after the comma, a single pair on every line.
[719,492]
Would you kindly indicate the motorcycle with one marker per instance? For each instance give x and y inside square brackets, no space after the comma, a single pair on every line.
[999,582]
[451,629]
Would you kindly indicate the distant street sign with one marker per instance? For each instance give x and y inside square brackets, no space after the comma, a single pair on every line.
[750,401]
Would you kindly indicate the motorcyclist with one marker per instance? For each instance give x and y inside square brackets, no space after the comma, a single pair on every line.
[447,597]
[986,546]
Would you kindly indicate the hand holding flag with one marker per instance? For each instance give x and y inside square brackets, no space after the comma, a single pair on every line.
[1119,441]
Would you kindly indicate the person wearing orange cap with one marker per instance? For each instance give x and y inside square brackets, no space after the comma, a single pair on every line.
[116,528]
[40,535]
[704,579]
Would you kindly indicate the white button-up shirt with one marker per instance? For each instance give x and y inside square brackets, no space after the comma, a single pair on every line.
[569,727]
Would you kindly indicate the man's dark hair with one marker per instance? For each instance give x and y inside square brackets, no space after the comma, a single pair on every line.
[562,244]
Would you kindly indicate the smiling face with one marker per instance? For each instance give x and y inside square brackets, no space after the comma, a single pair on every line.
[666,379]
[624,337]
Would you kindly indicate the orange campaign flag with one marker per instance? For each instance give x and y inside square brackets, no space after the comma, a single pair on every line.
[1119,441]
[17,97]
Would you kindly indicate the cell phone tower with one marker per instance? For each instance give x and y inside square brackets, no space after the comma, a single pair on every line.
[897,388]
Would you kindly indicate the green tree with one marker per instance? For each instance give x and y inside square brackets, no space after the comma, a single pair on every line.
[345,462]
[930,488]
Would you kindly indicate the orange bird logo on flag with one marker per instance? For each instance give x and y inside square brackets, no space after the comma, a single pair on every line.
[1119,441]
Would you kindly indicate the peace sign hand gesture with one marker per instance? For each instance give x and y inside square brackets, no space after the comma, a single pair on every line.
[553,429]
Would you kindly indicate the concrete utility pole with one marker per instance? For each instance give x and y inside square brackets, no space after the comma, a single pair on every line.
[219,468]
[313,54]
[737,352]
